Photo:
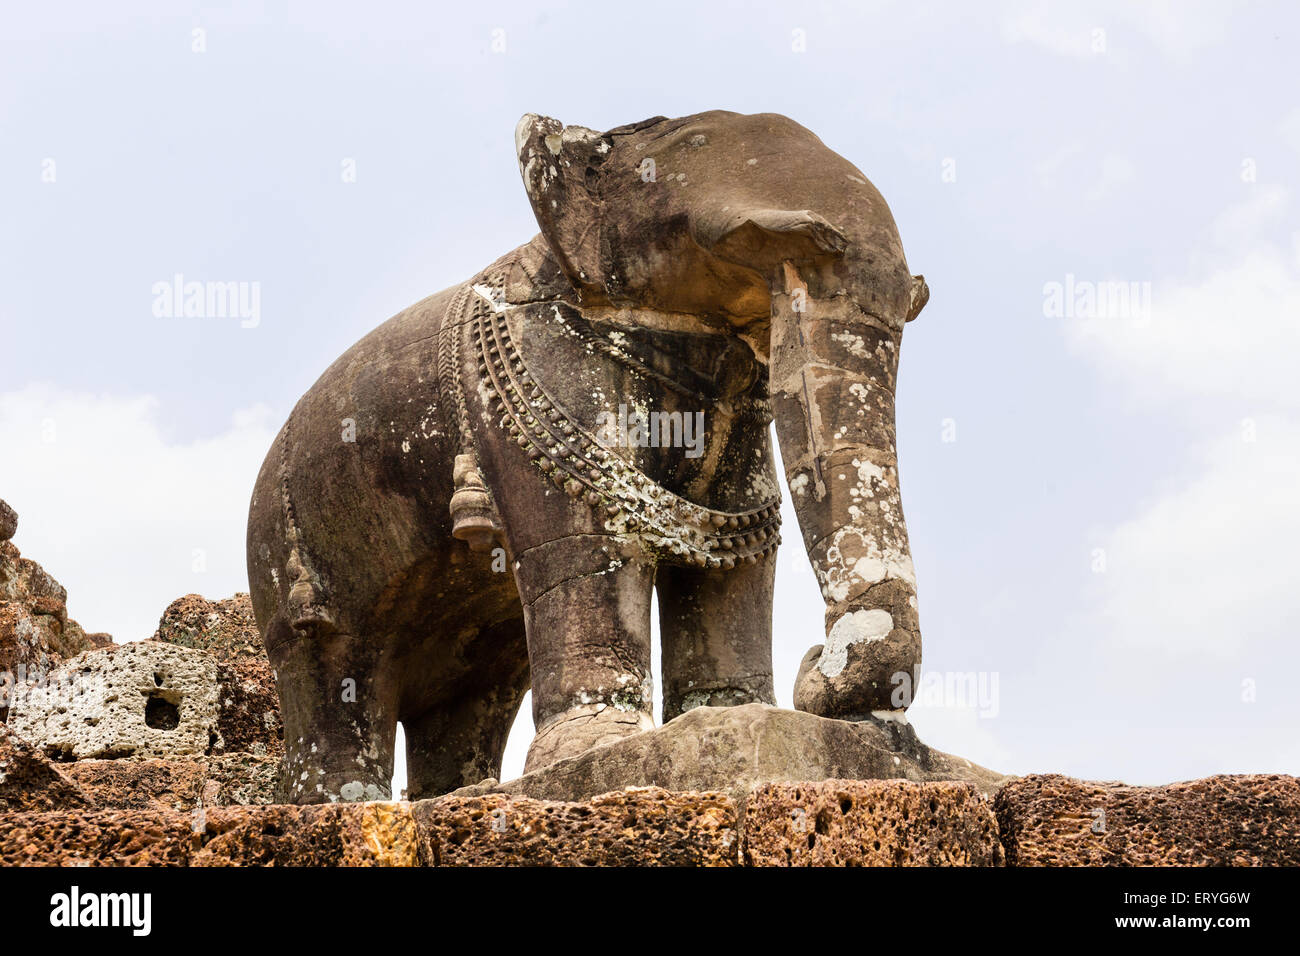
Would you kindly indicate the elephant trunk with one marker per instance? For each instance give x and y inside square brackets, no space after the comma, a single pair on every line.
[833,370]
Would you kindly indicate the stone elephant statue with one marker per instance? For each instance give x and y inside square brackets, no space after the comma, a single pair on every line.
[482,495]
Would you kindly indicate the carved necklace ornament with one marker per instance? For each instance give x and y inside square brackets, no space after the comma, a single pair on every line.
[626,498]
[473,515]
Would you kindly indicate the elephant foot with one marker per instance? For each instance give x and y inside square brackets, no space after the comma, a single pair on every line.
[866,666]
[575,731]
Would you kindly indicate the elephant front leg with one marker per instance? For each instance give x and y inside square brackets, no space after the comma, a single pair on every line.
[716,628]
[587,611]
[834,368]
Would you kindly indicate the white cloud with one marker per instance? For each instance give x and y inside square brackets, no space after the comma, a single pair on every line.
[1200,580]
[1229,332]
[1242,223]
[1035,26]
[1179,30]
[120,515]
[1207,572]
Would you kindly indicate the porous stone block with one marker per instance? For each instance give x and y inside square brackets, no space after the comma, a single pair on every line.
[141,784]
[154,784]
[35,639]
[29,781]
[1225,820]
[241,779]
[637,827]
[249,720]
[30,639]
[96,838]
[870,823]
[145,699]
[226,629]
[29,648]
[355,834]
[359,834]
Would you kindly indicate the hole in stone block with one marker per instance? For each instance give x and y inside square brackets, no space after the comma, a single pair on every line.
[157,679]
[161,714]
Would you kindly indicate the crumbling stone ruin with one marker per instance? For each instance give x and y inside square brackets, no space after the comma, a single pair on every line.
[186,718]
[36,634]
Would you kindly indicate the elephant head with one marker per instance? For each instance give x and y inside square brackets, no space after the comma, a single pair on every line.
[752,220]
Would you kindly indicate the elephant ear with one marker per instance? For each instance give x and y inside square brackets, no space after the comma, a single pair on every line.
[766,237]
[560,166]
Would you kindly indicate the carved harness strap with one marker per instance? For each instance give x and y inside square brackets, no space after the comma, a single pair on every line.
[575,460]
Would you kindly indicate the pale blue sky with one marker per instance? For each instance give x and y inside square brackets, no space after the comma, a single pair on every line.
[1163,149]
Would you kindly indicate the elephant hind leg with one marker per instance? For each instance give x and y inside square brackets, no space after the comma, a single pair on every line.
[460,742]
[716,633]
[339,716]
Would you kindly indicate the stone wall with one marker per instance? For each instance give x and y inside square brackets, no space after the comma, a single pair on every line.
[1226,820]
[1034,821]
[165,752]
